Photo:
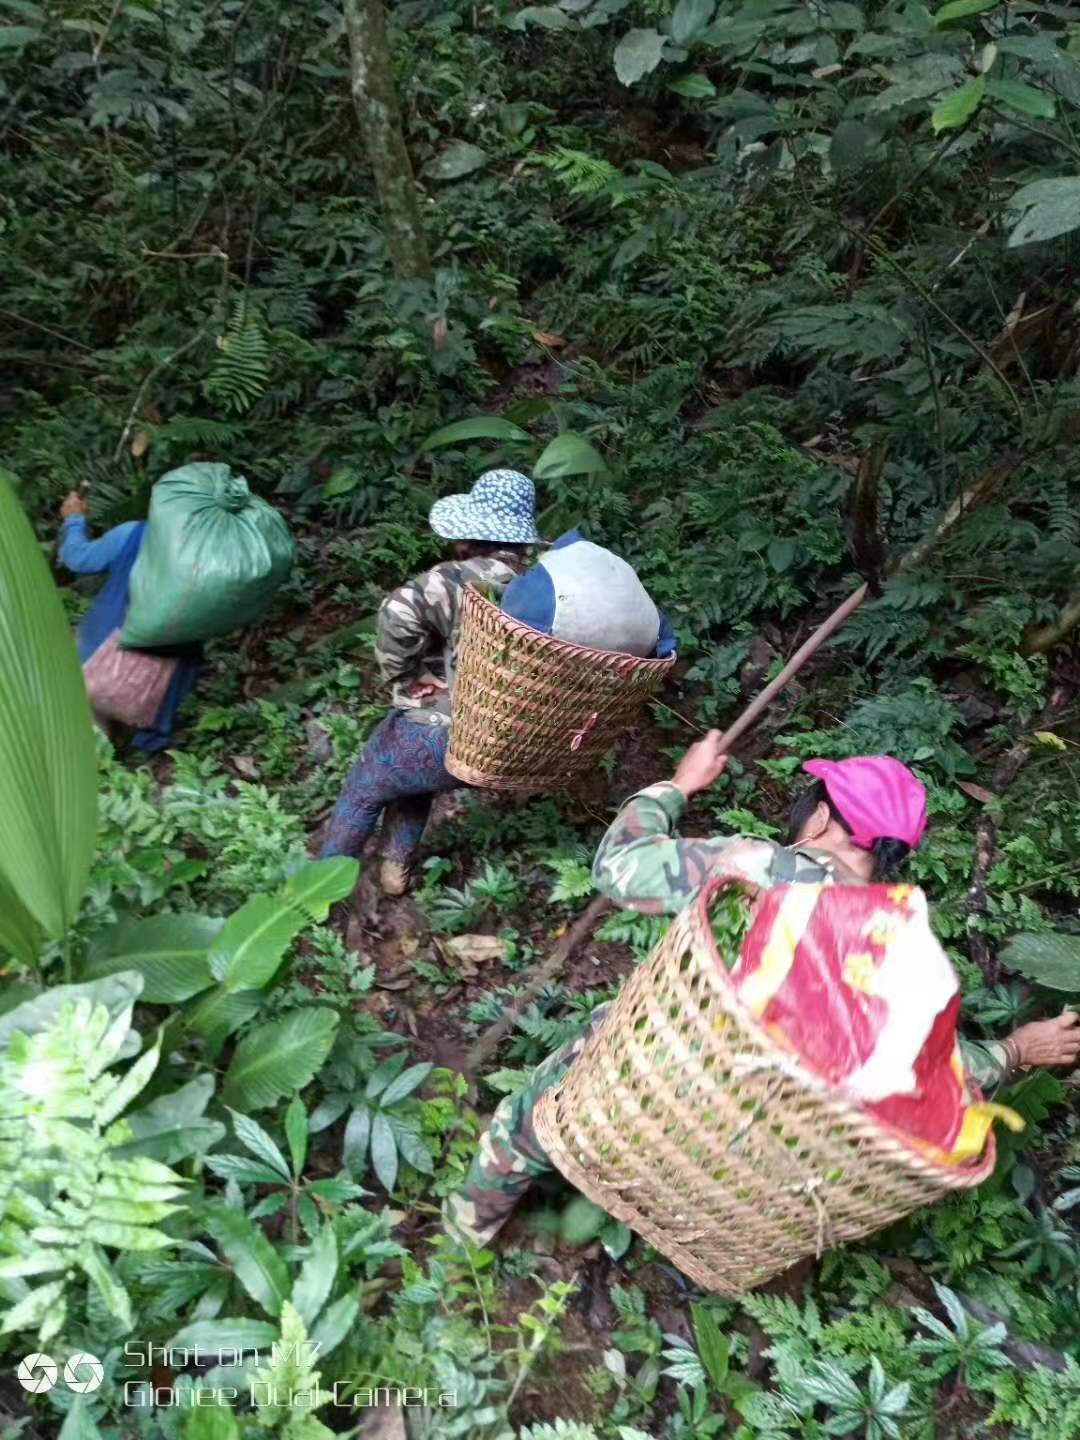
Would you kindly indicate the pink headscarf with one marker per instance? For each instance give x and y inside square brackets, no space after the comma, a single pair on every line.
[878,797]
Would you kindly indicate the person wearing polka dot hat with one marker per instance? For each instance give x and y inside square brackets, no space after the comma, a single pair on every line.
[401,768]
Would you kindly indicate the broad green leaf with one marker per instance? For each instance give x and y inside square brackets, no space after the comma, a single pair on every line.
[79,1422]
[327,1111]
[713,1346]
[1024,99]
[255,1263]
[408,1081]
[219,1012]
[16,37]
[279,1059]
[173,1126]
[168,951]
[342,482]
[638,54]
[355,1145]
[48,756]
[317,1276]
[254,1138]
[211,1422]
[384,1155]
[413,1149]
[20,934]
[548,17]
[478,427]
[690,18]
[456,160]
[960,10]
[322,883]
[269,1205]
[1052,208]
[296,1132]
[117,993]
[568,454]
[851,140]
[958,107]
[336,1189]
[381,1076]
[1050,960]
[251,945]
[694,87]
[335,1324]
[242,1169]
[225,1336]
[615,1238]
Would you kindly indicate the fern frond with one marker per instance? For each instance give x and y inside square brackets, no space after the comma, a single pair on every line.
[290,304]
[242,370]
[1062,519]
[198,431]
[581,173]
[65,1196]
[287,1390]
[558,1430]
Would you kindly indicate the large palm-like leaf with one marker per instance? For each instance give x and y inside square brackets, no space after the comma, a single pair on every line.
[48,782]
[279,1059]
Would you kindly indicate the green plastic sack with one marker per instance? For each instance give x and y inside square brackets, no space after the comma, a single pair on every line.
[210,561]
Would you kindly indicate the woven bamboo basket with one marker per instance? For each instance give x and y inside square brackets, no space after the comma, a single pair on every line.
[682,1118]
[531,712]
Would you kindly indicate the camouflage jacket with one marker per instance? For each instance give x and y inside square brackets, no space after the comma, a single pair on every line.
[642,865]
[418,624]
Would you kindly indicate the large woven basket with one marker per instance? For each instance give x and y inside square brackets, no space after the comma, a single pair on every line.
[531,712]
[684,1120]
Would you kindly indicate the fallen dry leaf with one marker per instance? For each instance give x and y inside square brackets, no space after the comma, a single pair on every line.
[140,444]
[548,338]
[393,982]
[977,792]
[246,765]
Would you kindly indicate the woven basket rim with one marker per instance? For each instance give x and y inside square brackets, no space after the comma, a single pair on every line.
[719,979]
[520,630]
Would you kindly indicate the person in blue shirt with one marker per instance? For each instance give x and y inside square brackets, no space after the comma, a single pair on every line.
[114,556]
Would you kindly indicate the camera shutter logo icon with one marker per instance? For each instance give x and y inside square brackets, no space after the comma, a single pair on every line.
[37,1373]
[83,1372]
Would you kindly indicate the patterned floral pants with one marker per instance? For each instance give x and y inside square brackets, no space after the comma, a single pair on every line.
[399,771]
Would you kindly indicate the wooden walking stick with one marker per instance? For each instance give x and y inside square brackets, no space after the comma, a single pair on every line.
[583,926]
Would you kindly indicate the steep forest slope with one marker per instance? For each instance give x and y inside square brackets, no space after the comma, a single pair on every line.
[797,282]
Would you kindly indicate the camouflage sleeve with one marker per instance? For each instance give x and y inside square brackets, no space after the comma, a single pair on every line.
[986,1063]
[416,620]
[642,866]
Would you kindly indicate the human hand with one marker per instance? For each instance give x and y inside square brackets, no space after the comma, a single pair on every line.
[73,504]
[426,685]
[703,763]
[1049,1042]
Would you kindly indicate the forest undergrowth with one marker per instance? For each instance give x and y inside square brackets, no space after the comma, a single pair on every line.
[760,293]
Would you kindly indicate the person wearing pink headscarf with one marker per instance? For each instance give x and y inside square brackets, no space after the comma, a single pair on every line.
[857,822]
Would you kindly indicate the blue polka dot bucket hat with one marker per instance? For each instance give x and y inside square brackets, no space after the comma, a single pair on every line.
[500,508]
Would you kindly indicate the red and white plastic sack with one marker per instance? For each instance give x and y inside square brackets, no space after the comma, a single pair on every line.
[851,979]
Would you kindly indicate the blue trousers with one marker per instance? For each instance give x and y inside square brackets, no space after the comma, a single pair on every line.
[399,771]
